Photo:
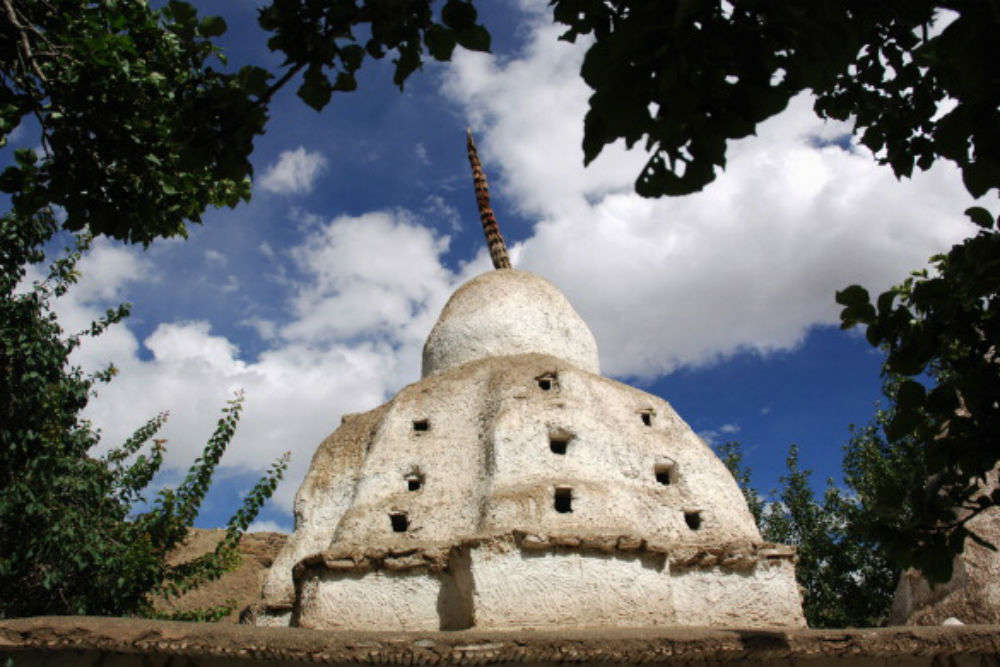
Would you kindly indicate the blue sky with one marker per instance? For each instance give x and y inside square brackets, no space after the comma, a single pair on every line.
[316,297]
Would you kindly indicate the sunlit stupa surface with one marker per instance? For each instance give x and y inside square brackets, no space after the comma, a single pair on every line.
[515,487]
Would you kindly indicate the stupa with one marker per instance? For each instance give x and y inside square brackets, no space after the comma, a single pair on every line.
[514,487]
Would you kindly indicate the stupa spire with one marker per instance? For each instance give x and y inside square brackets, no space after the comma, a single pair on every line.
[497,246]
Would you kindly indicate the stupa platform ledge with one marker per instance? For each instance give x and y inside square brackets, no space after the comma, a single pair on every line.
[92,642]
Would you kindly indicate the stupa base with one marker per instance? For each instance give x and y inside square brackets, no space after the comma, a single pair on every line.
[530,582]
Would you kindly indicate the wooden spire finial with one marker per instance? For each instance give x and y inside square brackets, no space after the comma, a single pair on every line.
[498,249]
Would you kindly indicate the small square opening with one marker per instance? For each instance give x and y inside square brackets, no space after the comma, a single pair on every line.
[664,473]
[564,500]
[693,520]
[421,425]
[647,417]
[400,522]
[559,441]
[414,481]
[546,382]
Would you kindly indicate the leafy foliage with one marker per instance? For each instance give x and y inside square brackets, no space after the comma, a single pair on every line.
[687,75]
[69,543]
[320,35]
[141,131]
[939,330]
[845,571]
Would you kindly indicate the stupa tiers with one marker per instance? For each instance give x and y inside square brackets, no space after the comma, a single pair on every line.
[514,487]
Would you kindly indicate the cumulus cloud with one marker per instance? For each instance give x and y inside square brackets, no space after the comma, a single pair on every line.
[268,527]
[421,152]
[215,257]
[353,338]
[295,172]
[265,328]
[751,262]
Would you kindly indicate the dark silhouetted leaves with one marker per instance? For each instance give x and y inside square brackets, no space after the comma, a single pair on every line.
[458,15]
[212,26]
[939,331]
[315,89]
[863,60]
[980,216]
[474,38]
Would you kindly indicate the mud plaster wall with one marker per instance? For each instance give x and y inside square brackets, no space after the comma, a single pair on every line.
[485,463]
[502,313]
[114,642]
[321,501]
[503,584]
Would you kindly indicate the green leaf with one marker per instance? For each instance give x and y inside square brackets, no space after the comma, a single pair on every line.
[854,295]
[907,360]
[254,80]
[474,38]
[315,89]
[212,26]
[352,56]
[980,216]
[902,424]
[874,334]
[182,12]
[406,64]
[345,82]
[458,15]
[440,42]
[11,180]
[910,395]
[942,399]
[980,177]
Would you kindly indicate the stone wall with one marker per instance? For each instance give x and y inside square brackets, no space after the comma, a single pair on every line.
[112,642]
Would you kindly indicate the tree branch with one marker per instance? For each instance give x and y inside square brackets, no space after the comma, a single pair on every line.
[25,44]
[266,97]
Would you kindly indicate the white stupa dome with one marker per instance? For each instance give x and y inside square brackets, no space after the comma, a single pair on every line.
[514,487]
[508,312]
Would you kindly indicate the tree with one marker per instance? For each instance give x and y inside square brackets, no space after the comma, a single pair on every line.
[939,330]
[140,132]
[70,541]
[846,575]
[687,75]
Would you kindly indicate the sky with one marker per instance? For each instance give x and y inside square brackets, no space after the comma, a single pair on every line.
[316,297]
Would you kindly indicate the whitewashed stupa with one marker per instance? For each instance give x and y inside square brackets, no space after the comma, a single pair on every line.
[514,487]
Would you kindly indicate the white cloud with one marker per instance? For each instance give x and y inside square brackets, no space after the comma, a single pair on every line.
[231,285]
[730,428]
[268,527]
[438,210]
[215,257]
[295,172]
[266,329]
[357,326]
[356,292]
[421,152]
[752,262]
